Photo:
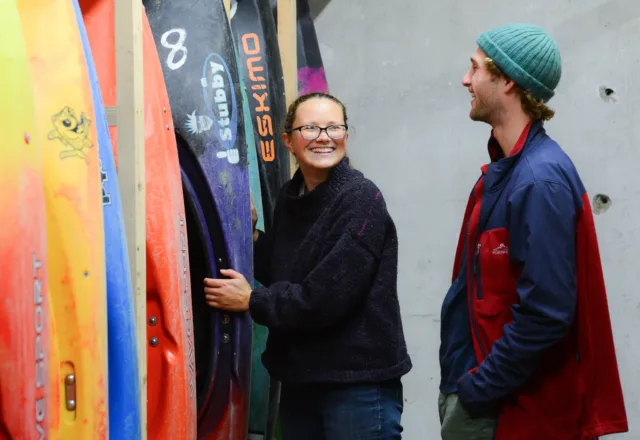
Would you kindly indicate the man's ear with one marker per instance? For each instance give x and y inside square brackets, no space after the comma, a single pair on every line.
[509,86]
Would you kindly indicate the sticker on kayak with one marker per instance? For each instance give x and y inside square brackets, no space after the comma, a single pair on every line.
[256,63]
[197,124]
[104,177]
[220,101]
[73,132]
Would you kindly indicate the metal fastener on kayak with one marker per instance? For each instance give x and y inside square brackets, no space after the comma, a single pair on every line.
[27,138]
[153,341]
[70,392]
[153,320]
[225,319]
[225,338]
[168,127]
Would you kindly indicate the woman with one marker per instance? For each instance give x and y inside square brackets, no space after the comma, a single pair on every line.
[329,270]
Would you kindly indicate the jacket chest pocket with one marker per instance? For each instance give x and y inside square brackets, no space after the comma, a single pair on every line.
[495,285]
[495,275]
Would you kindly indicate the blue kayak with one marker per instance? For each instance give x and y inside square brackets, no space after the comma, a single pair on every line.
[124,391]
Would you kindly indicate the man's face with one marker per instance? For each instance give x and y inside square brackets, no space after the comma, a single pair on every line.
[484,88]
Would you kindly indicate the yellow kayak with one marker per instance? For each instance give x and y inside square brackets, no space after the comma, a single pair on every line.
[75,234]
[24,304]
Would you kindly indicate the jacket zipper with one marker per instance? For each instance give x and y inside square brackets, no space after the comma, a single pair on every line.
[478,272]
[476,278]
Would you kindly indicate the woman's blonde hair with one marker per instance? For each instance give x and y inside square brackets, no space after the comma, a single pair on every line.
[293,108]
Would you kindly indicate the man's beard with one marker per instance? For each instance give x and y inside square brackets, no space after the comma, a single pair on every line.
[480,113]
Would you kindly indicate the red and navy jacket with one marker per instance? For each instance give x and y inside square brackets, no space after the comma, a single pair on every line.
[537,303]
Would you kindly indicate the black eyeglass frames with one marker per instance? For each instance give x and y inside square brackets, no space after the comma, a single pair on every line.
[313,132]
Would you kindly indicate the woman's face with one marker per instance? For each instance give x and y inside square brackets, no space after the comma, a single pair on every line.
[329,148]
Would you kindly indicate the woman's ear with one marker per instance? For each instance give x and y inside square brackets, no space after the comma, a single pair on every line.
[286,137]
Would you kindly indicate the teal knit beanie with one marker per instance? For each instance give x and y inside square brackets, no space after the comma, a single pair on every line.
[527,54]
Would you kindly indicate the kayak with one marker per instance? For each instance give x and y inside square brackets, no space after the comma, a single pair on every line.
[311,74]
[74,220]
[171,396]
[171,355]
[256,38]
[124,390]
[24,307]
[198,58]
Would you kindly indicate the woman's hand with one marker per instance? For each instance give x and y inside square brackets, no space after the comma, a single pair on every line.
[230,294]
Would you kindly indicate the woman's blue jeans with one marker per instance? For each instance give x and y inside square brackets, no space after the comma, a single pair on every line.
[370,411]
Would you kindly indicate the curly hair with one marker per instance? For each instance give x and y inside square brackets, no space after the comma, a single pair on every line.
[535,108]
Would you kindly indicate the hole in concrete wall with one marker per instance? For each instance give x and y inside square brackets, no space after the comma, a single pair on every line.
[607,94]
[601,203]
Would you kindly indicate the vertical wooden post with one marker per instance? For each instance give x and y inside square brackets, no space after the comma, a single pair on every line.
[131,173]
[287,40]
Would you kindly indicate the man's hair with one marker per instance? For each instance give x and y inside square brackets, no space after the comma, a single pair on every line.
[535,108]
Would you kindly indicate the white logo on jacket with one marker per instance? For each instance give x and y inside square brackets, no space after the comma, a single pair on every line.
[501,250]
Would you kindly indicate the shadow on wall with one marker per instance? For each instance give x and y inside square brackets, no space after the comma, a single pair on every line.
[317,6]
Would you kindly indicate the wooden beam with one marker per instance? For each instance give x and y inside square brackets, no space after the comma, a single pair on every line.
[227,7]
[287,40]
[131,172]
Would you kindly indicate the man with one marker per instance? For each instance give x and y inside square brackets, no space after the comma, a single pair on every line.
[527,350]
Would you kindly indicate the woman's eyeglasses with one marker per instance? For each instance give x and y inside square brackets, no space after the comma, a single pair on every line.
[313,132]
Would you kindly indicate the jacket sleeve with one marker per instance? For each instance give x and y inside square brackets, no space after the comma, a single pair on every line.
[542,242]
[337,284]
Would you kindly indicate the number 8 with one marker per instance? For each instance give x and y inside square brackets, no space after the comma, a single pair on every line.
[176,47]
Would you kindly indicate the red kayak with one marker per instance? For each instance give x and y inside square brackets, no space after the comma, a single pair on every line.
[171,408]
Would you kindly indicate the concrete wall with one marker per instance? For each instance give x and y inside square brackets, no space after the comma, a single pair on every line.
[398,66]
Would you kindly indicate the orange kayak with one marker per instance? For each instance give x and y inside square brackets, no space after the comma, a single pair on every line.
[24,305]
[171,394]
